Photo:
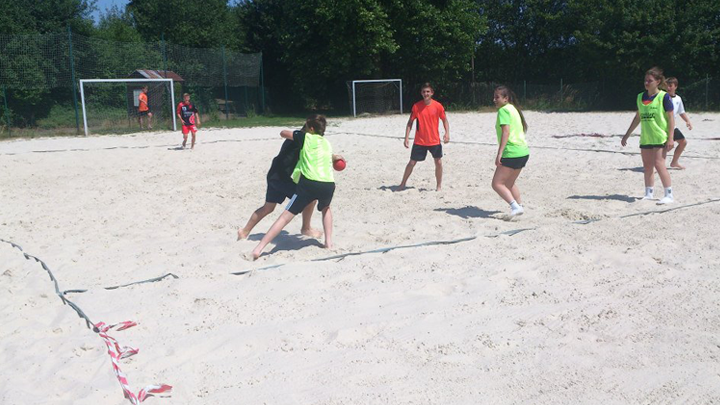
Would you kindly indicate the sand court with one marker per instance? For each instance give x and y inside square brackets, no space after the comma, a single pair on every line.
[599,298]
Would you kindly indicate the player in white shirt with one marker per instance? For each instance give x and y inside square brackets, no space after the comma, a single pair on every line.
[679,109]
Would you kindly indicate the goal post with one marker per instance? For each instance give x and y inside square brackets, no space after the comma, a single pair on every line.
[376,96]
[129,97]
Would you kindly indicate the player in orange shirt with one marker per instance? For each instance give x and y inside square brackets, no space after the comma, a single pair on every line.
[143,109]
[427,138]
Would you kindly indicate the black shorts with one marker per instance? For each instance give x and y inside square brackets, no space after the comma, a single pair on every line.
[419,152]
[515,163]
[279,190]
[662,145]
[143,113]
[309,190]
[678,135]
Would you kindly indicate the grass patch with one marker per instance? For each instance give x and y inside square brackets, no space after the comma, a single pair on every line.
[258,121]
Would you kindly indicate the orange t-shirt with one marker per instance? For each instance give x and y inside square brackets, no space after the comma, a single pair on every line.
[143,105]
[428,117]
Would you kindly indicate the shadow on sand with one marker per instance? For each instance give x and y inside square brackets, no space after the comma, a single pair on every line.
[615,197]
[468,212]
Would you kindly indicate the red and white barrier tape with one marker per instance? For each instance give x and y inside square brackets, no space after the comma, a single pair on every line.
[118,352]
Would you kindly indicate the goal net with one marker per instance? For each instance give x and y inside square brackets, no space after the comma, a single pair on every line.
[112,105]
[376,96]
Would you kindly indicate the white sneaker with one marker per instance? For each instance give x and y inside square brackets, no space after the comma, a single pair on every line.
[518,211]
[648,197]
[666,200]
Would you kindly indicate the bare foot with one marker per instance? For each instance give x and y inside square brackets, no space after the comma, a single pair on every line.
[242,234]
[401,187]
[255,255]
[328,245]
[438,189]
[677,166]
[311,232]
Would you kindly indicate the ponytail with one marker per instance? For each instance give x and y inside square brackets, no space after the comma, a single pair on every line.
[513,99]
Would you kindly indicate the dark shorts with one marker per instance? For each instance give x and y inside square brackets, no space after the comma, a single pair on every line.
[678,135]
[515,163]
[309,190]
[419,152]
[279,190]
[143,113]
[655,146]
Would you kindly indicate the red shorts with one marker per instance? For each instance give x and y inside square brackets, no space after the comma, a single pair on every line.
[189,128]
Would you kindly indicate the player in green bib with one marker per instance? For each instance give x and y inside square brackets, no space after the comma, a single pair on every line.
[657,122]
[513,152]
[314,178]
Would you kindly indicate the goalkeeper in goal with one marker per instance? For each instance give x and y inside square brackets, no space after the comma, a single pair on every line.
[190,118]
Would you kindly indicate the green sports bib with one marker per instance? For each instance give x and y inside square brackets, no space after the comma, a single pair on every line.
[653,122]
[315,161]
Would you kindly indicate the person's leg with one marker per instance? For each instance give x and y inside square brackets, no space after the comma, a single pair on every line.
[661,168]
[140,120]
[682,143]
[327,227]
[648,160]
[192,142]
[256,217]
[438,173]
[406,175]
[185,134]
[499,181]
[510,184]
[307,228]
[273,232]
[149,120]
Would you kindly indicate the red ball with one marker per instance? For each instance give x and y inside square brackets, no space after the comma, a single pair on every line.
[339,165]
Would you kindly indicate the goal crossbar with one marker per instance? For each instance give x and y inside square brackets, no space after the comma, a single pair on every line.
[354,100]
[82,94]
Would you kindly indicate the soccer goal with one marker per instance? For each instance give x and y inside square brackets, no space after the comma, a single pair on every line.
[111,105]
[376,96]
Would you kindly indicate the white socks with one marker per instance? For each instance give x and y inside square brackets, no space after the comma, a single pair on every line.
[668,196]
[649,191]
[515,208]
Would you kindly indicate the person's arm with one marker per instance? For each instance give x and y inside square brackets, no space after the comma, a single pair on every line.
[446,124]
[335,158]
[197,118]
[178,112]
[685,118]
[633,125]
[287,134]
[407,131]
[503,143]
[671,130]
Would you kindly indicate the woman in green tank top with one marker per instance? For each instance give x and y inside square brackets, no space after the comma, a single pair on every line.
[657,123]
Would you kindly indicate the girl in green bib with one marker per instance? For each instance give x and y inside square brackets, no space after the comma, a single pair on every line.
[513,152]
[657,122]
[314,178]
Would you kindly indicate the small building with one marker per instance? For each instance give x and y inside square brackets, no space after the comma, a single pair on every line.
[158,95]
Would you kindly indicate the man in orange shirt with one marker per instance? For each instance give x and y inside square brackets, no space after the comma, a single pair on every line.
[143,109]
[427,138]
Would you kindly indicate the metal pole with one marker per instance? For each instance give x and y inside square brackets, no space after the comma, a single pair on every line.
[262,86]
[707,87]
[7,110]
[227,108]
[401,97]
[74,86]
[82,97]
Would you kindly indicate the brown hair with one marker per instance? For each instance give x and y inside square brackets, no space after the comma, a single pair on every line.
[512,99]
[427,85]
[657,73]
[317,122]
[672,80]
[186,95]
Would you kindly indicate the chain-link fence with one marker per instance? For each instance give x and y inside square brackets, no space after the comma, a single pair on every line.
[39,77]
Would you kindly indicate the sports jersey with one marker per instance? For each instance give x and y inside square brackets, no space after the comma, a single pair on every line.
[284,163]
[667,101]
[143,102]
[516,145]
[653,121]
[428,117]
[678,106]
[315,161]
[187,113]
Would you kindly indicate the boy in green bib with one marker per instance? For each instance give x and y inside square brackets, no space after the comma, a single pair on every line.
[314,178]
[657,123]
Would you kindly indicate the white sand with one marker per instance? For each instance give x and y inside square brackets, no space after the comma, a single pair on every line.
[620,311]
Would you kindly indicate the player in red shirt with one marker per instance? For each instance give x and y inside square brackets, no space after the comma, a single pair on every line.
[189,117]
[427,138]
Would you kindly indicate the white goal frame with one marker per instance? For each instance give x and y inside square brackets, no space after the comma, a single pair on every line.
[169,81]
[354,101]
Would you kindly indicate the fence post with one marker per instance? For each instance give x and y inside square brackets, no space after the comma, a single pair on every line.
[74,86]
[164,54]
[262,85]
[227,108]
[7,110]
[561,91]
[707,88]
